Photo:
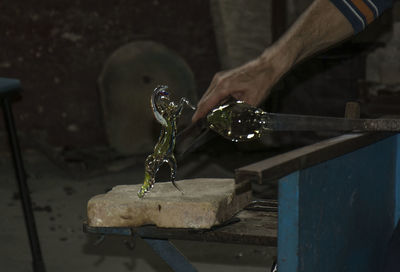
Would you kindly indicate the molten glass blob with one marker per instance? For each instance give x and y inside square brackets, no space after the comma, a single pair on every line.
[238,121]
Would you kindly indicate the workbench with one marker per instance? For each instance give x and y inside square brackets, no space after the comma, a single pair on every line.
[338,203]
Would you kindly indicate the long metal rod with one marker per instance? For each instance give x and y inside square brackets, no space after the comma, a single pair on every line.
[37,260]
[289,122]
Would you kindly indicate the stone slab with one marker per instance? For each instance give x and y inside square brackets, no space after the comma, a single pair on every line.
[203,204]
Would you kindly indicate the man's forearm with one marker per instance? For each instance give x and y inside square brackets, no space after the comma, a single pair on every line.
[323,24]
[319,27]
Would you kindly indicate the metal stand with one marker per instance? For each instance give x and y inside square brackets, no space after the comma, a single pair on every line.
[254,226]
[162,247]
[37,260]
[171,255]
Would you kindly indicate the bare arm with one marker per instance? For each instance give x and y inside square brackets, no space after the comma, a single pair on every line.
[319,27]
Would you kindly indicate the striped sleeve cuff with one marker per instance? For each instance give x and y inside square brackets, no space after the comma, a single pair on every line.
[361,12]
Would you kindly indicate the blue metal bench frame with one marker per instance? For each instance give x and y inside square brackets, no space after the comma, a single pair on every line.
[8,89]
[339,215]
[339,201]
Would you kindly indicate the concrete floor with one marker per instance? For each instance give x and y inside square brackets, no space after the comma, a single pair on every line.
[60,208]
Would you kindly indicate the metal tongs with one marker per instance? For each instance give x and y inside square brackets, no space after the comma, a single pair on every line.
[198,133]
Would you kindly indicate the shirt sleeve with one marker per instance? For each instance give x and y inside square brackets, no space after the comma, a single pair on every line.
[362,12]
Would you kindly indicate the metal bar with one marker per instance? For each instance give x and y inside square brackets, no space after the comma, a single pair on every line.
[171,255]
[247,227]
[37,260]
[123,231]
[284,164]
[397,181]
[292,122]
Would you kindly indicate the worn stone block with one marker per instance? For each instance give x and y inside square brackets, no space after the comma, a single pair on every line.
[202,204]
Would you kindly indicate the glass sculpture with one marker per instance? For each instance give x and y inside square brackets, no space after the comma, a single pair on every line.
[166,113]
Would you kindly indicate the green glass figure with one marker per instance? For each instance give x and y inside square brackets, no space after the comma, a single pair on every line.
[166,113]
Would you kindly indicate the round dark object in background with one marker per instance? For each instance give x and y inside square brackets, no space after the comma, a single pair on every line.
[126,83]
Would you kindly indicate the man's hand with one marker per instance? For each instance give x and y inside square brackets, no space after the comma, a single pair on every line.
[319,27]
[250,82]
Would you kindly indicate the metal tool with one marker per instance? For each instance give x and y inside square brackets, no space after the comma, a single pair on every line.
[239,121]
[289,122]
[192,138]
[265,205]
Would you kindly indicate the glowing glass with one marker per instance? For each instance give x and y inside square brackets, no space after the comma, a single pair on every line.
[238,121]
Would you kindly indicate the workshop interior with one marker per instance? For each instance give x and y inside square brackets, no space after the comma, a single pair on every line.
[82,85]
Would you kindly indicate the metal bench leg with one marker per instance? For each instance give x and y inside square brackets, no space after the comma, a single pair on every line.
[171,255]
[37,260]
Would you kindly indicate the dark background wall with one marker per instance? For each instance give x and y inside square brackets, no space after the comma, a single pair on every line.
[57,48]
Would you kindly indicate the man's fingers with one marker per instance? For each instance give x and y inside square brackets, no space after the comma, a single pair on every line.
[202,109]
[239,95]
[207,104]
